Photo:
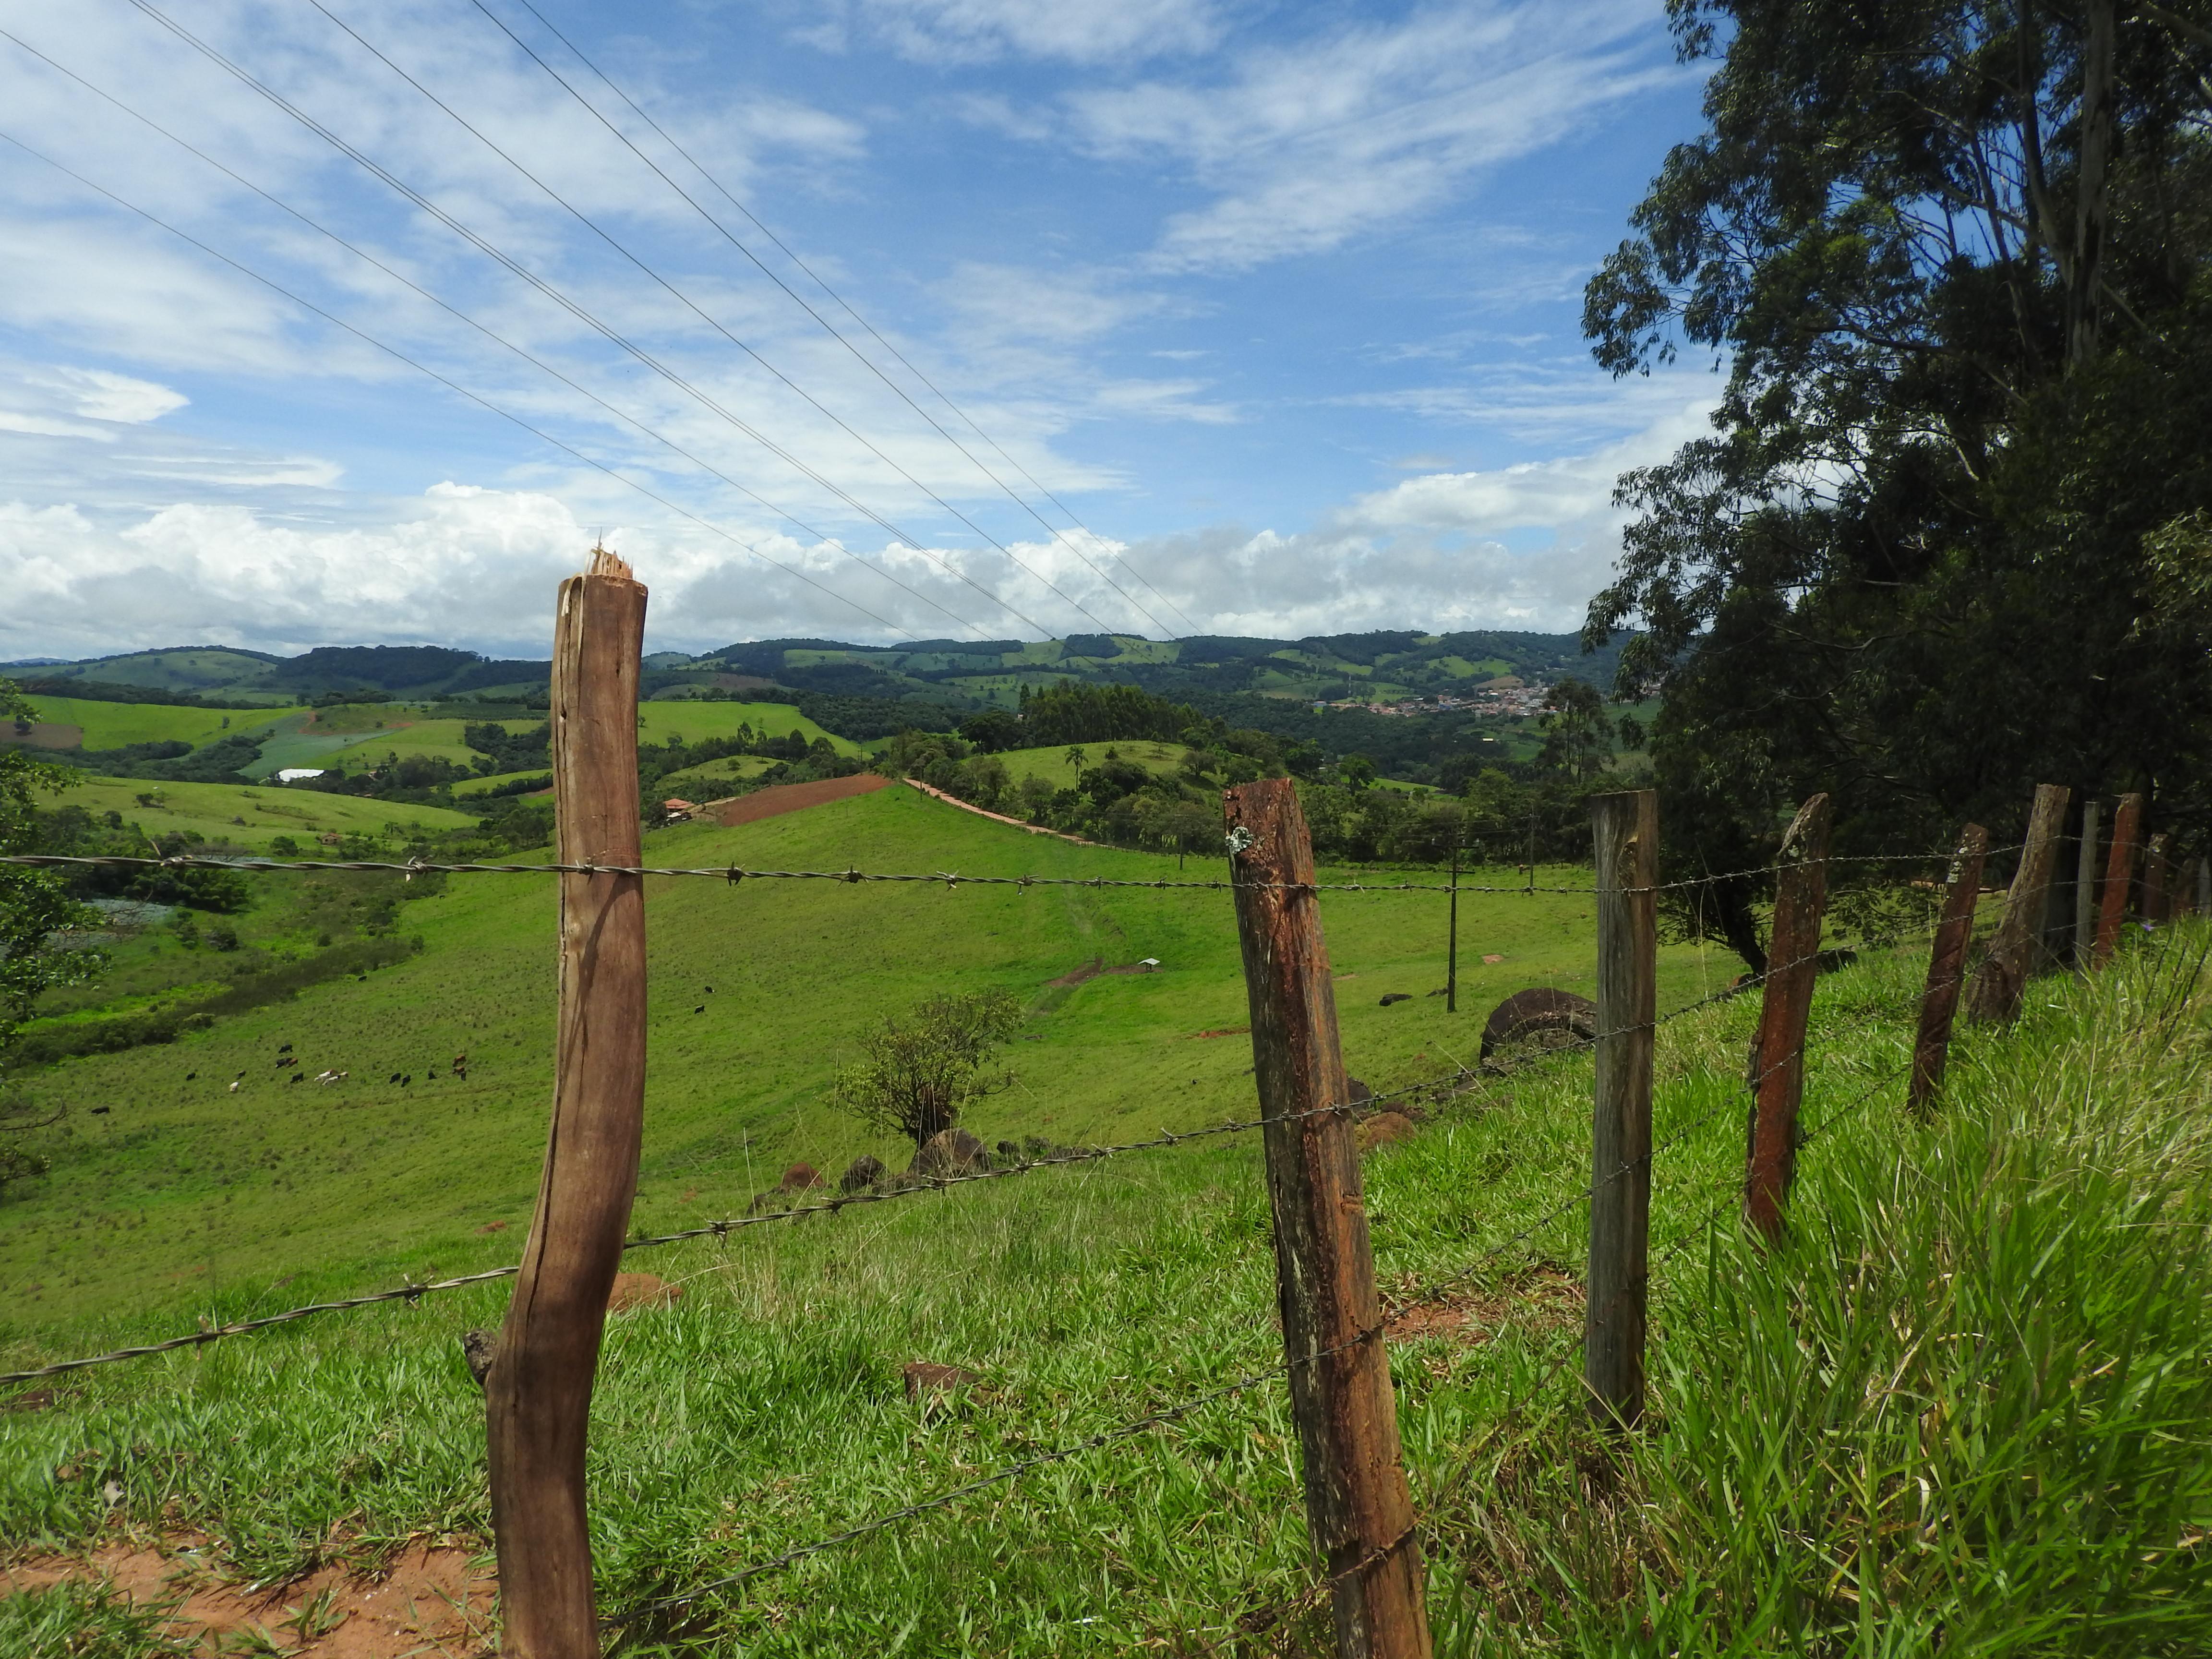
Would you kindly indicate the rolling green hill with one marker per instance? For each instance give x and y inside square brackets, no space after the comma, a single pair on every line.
[797,969]
[249,818]
[1886,1428]
[113,724]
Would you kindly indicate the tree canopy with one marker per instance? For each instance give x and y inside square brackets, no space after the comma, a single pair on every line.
[1949,536]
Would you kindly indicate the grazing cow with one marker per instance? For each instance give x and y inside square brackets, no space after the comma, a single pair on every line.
[283,1047]
[701,1009]
[404,1081]
[395,1077]
[189,1076]
[234,1088]
[102,1111]
[297,1077]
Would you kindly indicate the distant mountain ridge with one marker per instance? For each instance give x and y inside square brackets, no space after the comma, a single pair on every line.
[1380,666]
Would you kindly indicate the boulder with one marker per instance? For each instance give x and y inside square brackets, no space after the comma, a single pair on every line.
[1396,996]
[862,1171]
[799,1177]
[1544,1011]
[479,1348]
[948,1153]
[1356,1091]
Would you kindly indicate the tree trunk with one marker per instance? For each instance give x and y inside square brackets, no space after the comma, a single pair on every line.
[2093,204]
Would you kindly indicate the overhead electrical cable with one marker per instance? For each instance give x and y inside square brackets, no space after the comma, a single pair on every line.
[829,328]
[488,332]
[704,316]
[367,338]
[847,306]
[383,175]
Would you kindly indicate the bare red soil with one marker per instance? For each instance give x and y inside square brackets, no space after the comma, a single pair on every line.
[781,798]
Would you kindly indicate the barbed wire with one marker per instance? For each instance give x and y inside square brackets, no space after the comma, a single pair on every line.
[411,1293]
[1387,1310]
[734,874]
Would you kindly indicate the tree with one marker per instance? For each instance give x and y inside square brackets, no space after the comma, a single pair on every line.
[1076,758]
[914,1076]
[1953,257]
[1577,737]
[992,730]
[1357,771]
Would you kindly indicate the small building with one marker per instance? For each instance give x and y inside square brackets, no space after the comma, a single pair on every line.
[294,774]
[679,809]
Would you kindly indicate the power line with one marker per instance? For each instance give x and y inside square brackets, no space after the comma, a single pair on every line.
[526,356]
[700,311]
[829,328]
[452,385]
[575,309]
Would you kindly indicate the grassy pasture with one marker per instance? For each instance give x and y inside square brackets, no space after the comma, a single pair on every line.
[693,720]
[114,725]
[215,810]
[1963,1407]
[258,1183]
[1051,763]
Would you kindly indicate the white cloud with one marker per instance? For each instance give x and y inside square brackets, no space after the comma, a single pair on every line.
[1075,31]
[1304,146]
[1518,546]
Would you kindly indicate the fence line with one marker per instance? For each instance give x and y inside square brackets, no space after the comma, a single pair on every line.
[1456,1080]
[735,874]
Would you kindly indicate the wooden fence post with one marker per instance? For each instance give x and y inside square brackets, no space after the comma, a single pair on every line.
[1793,957]
[1451,955]
[1358,1506]
[1626,827]
[2119,876]
[2155,893]
[2085,889]
[2004,973]
[1947,966]
[537,1393]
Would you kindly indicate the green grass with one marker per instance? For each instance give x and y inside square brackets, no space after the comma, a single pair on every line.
[272,1176]
[114,725]
[1051,763]
[214,810]
[692,721]
[716,777]
[1966,1408]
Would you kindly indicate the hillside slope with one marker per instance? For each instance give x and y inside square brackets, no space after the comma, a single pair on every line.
[366,1178]
[1962,1408]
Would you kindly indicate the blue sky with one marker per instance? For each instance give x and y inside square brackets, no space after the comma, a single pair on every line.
[1280,303]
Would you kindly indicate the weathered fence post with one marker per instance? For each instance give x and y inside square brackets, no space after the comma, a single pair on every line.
[1793,959]
[2119,876]
[537,1393]
[1947,966]
[2085,889]
[1626,827]
[2154,885]
[2004,973]
[1358,1505]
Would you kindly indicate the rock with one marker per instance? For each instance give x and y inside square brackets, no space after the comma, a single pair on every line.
[1355,1091]
[799,1177]
[640,1290]
[479,1348]
[948,1153]
[862,1171]
[1009,1150]
[1543,1010]
[1382,1129]
[493,1227]
[923,1379]
[1397,996]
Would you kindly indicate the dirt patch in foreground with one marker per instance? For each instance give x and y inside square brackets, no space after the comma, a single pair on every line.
[428,1604]
[1545,1299]
[781,798]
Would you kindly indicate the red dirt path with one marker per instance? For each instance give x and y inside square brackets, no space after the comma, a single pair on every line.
[781,798]
[430,1603]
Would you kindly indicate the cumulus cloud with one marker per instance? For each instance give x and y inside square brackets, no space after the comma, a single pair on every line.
[1519,546]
